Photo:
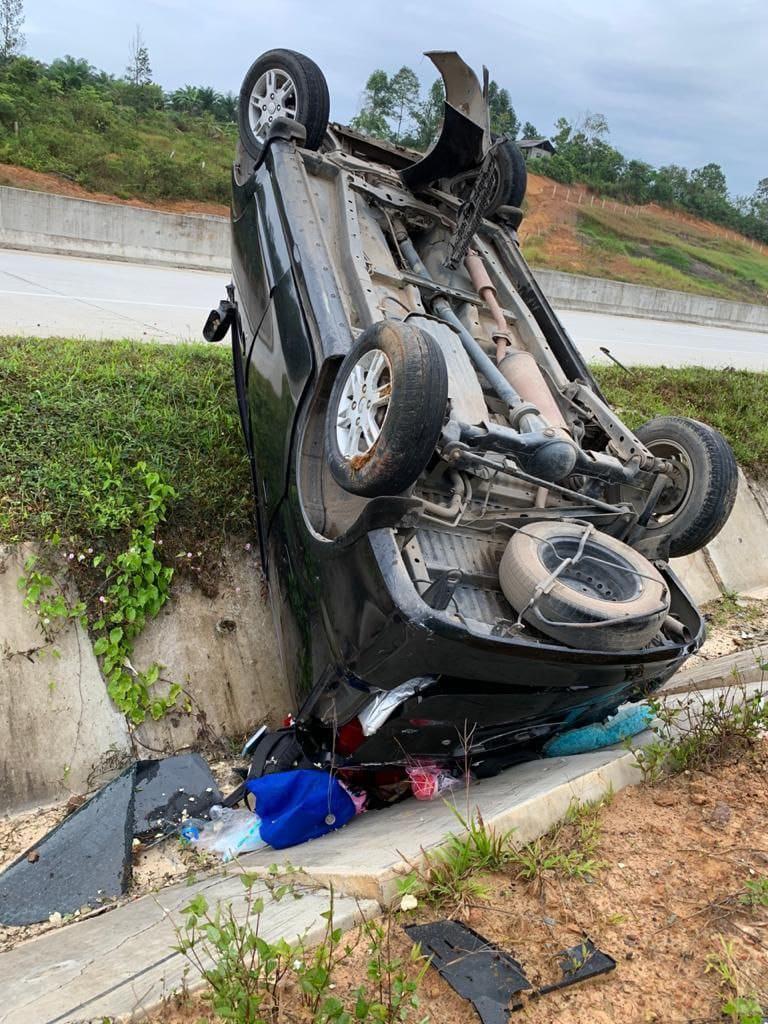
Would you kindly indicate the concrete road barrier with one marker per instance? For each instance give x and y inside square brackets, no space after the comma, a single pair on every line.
[601,295]
[45,222]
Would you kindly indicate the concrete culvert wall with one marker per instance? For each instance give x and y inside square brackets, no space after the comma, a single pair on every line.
[60,734]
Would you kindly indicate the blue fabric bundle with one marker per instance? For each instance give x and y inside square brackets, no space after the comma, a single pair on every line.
[297,806]
[628,721]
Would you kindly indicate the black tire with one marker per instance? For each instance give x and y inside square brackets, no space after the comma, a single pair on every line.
[697,508]
[312,103]
[609,581]
[412,419]
[511,179]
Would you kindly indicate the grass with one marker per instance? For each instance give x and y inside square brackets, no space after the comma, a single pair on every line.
[655,250]
[733,401]
[78,414]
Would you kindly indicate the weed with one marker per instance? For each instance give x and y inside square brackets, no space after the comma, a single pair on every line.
[755,892]
[698,734]
[448,875]
[249,977]
[569,849]
[741,1006]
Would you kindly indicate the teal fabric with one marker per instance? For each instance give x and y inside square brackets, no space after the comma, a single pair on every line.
[628,721]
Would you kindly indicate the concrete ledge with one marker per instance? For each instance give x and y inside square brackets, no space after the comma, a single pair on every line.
[120,965]
[45,222]
[601,295]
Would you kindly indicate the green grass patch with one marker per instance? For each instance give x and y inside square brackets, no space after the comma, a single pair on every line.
[79,415]
[733,401]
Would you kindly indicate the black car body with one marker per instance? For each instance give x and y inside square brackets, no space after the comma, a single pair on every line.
[395,634]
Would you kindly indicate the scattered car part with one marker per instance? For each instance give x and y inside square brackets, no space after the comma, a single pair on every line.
[488,977]
[86,859]
[565,578]
[386,409]
[282,83]
[700,495]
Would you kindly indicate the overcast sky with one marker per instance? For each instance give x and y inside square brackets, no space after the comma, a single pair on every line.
[680,81]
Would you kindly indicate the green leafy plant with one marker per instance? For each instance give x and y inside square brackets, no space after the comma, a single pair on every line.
[249,977]
[569,849]
[699,734]
[741,1006]
[755,892]
[448,876]
[136,586]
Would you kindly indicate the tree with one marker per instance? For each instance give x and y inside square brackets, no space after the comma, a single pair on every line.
[530,131]
[504,120]
[11,36]
[404,95]
[71,72]
[376,107]
[427,117]
[563,129]
[138,71]
[637,181]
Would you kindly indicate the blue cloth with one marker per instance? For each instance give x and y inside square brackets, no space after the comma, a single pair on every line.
[628,721]
[297,806]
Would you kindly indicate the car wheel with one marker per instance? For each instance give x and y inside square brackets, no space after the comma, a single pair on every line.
[282,83]
[386,409]
[695,506]
[511,178]
[610,598]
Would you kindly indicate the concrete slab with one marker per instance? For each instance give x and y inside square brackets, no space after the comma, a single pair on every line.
[731,669]
[223,650]
[121,964]
[696,577]
[57,723]
[740,550]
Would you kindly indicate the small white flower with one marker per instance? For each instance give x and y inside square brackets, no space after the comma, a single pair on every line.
[408,902]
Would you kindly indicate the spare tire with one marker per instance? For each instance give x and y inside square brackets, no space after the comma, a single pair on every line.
[386,409]
[282,83]
[695,506]
[609,598]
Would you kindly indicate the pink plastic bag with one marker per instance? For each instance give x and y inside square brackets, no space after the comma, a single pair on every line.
[429,782]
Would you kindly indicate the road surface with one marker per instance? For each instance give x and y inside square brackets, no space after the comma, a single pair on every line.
[48,296]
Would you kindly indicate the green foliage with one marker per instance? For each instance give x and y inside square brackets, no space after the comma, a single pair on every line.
[696,735]
[755,892]
[136,586]
[447,876]
[569,849]
[112,135]
[504,120]
[248,975]
[733,401]
[77,415]
[740,1007]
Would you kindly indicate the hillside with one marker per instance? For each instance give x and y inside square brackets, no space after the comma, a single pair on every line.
[647,245]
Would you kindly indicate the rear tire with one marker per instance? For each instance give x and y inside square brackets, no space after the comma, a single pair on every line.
[511,179]
[697,506]
[381,449]
[610,581]
[302,86]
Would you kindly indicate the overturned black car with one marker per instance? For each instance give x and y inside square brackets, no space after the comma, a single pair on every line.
[467,550]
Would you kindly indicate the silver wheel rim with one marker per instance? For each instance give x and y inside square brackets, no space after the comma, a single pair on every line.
[364,404]
[273,95]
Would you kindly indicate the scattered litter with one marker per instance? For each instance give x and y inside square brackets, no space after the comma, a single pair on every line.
[228,834]
[430,782]
[87,858]
[489,977]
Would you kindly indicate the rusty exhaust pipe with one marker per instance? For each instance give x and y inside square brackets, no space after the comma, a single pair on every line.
[517,365]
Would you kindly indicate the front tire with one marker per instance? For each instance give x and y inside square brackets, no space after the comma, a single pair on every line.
[282,83]
[696,506]
[386,409]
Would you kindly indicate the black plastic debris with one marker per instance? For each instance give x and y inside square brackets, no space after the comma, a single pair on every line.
[488,977]
[476,968]
[166,789]
[86,859]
